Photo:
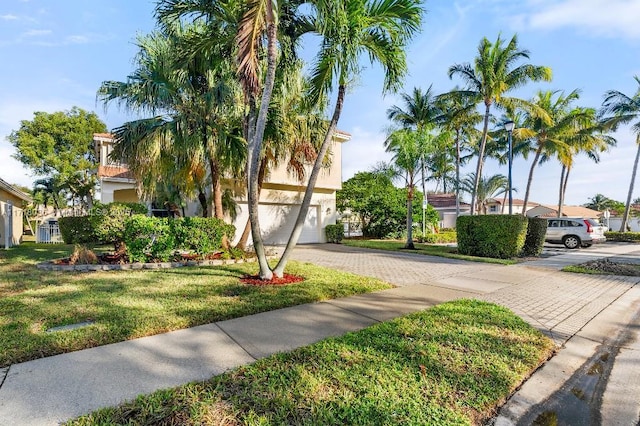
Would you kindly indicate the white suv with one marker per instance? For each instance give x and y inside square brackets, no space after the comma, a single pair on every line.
[574,232]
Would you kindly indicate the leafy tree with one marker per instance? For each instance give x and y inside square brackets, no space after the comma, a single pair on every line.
[59,146]
[379,205]
[625,109]
[493,75]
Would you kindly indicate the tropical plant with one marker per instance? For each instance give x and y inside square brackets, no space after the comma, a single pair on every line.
[494,74]
[349,29]
[488,188]
[624,109]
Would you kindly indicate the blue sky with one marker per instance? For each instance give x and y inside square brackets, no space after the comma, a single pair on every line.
[55,54]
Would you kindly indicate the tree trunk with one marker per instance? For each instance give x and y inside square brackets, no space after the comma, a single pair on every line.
[627,208]
[242,243]
[457,173]
[304,207]
[202,198]
[483,143]
[254,152]
[409,243]
[564,177]
[564,186]
[217,189]
[533,166]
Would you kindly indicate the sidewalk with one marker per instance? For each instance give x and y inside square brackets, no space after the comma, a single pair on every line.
[580,312]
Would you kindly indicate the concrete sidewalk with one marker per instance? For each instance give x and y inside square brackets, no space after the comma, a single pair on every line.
[568,307]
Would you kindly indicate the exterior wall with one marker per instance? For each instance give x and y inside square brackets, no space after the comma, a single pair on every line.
[16,221]
[126,196]
[112,190]
[9,197]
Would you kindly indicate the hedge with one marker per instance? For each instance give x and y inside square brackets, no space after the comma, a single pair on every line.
[627,237]
[498,236]
[536,231]
[334,233]
[76,230]
[157,239]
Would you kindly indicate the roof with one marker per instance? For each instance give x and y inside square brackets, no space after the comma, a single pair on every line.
[514,201]
[569,211]
[15,191]
[441,201]
[115,172]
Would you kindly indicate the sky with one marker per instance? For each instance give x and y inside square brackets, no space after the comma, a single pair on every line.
[56,53]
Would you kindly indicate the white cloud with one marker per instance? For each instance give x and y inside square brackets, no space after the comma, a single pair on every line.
[78,39]
[9,17]
[36,33]
[610,18]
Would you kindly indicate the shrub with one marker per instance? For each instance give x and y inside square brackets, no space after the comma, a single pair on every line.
[83,256]
[334,233]
[76,230]
[536,231]
[148,239]
[623,236]
[108,220]
[202,235]
[435,238]
[499,236]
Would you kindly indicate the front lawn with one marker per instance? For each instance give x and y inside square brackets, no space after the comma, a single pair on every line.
[455,363]
[427,249]
[123,305]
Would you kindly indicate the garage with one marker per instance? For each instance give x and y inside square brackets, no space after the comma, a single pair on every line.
[277,220]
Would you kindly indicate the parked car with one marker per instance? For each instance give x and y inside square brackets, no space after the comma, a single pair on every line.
[574,232]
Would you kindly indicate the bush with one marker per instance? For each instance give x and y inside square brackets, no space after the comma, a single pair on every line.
[201,235]
[436,238]
[627,237]
[76,230]
[148,238]
[108,220]
[499,236]
[83,256]
[334,233]
[536,231]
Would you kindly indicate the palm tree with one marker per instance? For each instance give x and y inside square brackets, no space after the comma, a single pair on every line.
[488,188]
[49,190]
[460,117]
[348,29]
[490,78]
[408,147]
[549,126]
[625,109]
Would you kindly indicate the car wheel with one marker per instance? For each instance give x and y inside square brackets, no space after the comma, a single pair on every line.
[571,241]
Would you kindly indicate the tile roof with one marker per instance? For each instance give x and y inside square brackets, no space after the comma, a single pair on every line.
[115,172]
[443,200]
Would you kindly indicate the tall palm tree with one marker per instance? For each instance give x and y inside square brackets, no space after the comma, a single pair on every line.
[494,74]
[408,148]
[460,117]
[349,29]
[487,189]
[549,127]
[625,109]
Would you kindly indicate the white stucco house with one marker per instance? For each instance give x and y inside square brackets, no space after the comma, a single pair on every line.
[11,214]
[280,198]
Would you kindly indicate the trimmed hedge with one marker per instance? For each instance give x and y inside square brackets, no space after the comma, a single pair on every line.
[157,239]
[76,230]
[439,238]
[627,237]
[498,236]
[536,231]
[334,233]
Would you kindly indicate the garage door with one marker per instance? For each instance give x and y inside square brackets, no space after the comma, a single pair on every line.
[276,223]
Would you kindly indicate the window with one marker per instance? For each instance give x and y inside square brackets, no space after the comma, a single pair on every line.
[493,209]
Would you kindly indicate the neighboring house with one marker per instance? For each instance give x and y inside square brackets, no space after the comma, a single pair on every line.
[567,211]
[501,205]
[445,205]
[11,214]
[280,198]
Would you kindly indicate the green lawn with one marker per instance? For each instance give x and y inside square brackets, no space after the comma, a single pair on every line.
[427,249]
[129,304]
[453,364]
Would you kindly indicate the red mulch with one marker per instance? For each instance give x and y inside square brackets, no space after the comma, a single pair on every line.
[285,280]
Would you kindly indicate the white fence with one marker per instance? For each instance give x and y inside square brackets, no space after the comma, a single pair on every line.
[49,233]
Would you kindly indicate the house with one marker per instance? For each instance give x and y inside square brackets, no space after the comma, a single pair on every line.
[501,205]
[445,205]
[11,214]
[280,198]
[567,211]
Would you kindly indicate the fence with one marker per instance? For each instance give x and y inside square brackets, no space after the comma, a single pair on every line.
[49,233]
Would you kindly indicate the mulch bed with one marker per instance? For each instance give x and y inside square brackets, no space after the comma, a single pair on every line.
[285,280]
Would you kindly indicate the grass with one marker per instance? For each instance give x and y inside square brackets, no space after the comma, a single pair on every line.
[426,249]
[125,305]
[453,364]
